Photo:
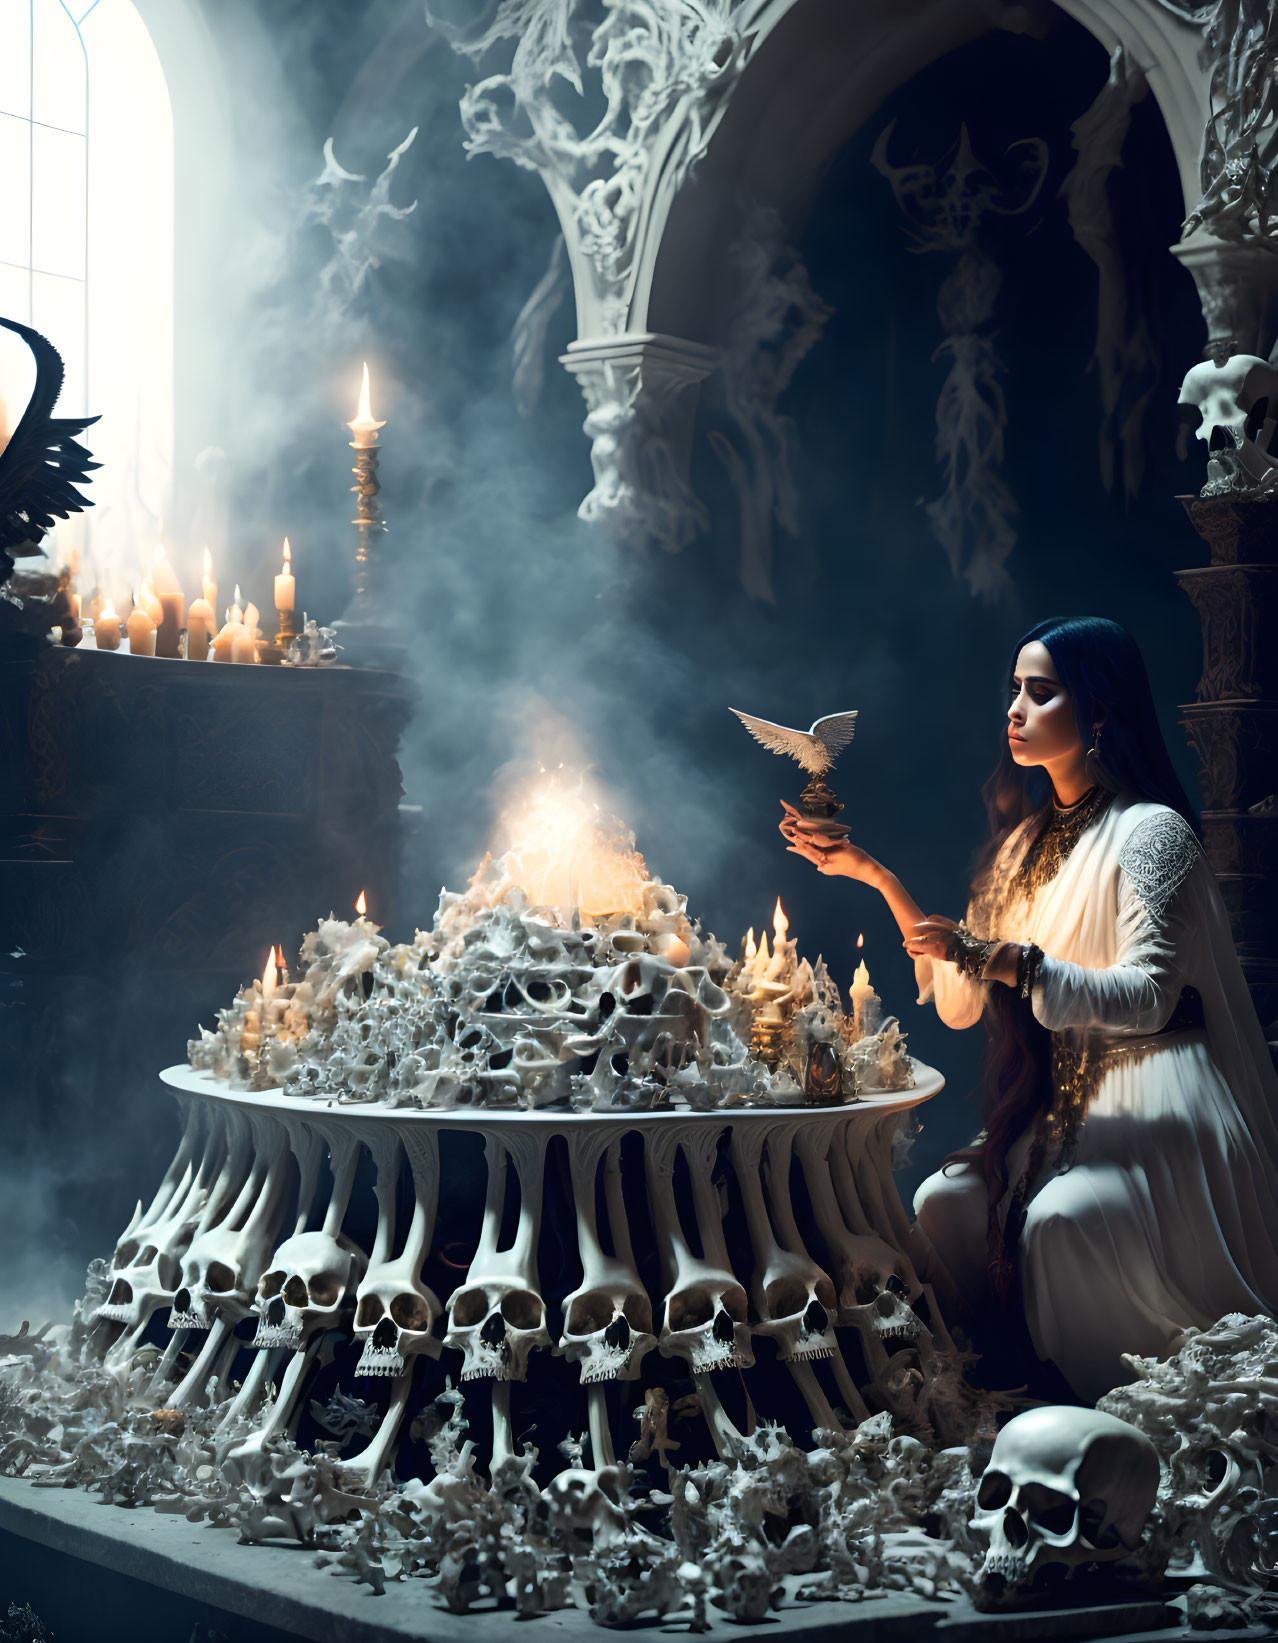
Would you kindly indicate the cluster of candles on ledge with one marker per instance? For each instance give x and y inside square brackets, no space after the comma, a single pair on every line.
[159,622]
[776,983]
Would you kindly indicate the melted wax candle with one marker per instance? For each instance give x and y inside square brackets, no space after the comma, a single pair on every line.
[199,630]
[172,607]
[106,629]
[141,631]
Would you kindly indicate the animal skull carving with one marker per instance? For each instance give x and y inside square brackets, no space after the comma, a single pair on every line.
[1064,1487]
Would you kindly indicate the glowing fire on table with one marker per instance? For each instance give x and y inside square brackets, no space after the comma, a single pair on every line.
[562,976]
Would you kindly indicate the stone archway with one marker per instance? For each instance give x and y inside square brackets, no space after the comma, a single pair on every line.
[704,110]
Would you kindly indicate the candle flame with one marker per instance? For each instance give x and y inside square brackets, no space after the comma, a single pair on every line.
[750,948]
[361,904]
[780,924]
[860,940]
[288,557]
[108,613]
[239,597]
[208,564]
[364,421]
[270,976]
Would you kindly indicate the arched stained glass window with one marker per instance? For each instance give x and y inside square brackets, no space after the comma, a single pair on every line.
[86,249]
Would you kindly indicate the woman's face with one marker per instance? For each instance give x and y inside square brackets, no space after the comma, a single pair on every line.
[1040,719]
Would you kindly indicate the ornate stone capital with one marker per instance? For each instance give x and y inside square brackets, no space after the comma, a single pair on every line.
[1238,289]
[641,395]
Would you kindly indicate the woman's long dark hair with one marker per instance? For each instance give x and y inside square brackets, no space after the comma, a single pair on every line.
[1100,665]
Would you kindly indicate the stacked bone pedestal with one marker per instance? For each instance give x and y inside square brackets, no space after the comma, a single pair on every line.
[534,1172]
[247,1265]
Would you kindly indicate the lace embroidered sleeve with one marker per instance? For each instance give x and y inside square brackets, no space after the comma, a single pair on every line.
[1157,858]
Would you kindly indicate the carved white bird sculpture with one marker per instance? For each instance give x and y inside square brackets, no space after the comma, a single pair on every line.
[814,749]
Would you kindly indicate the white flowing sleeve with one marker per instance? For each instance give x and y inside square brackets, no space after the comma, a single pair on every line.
[1140,990]
[959,1000]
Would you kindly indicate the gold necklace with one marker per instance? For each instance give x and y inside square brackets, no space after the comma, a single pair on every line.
[1057,838]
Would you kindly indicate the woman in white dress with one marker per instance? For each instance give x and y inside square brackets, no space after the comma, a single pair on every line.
[1127,1175]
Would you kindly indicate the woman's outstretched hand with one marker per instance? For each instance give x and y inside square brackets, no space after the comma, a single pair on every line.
[931,937]
[835,857]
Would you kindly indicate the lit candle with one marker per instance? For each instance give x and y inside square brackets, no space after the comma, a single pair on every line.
[141,631]
[365,425]
[168,591]
[242,647]
[284,581]
[863,996]
[106,629]
[225,642]
[251,619]
[210,586]
[149,600]
[200,622]
[236,613]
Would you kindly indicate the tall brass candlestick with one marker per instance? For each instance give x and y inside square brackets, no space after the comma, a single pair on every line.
[368,515]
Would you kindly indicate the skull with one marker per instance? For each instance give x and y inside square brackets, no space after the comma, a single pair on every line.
[219,1272]
[1225,397]
[145,1268]
[584,1508]
[867,1268]
[608,1330]
[394,1316]
[1064,1487]
[885,1321]
[799,1310]
[1218,393]
[495,1325]
[706,1324]
[305,1288]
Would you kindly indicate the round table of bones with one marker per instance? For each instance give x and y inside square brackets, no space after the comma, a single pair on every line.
[752,1261]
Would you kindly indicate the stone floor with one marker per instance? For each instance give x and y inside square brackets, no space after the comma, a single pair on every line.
[98,1574]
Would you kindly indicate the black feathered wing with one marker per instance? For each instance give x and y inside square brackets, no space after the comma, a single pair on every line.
[43,463]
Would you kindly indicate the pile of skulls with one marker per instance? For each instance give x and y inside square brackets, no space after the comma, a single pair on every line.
[502,1004]
[1180,1465]
[866,1512]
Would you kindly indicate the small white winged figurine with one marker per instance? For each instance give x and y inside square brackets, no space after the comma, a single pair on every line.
[815,751]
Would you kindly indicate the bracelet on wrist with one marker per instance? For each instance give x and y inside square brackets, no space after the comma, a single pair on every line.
[968,953]
[1027,967]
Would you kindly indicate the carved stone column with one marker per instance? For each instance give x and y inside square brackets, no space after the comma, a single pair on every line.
[1238,289]
[641,395]
[1233,724]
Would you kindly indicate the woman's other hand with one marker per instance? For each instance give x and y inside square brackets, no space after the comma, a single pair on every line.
[835,857]
[931,937]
